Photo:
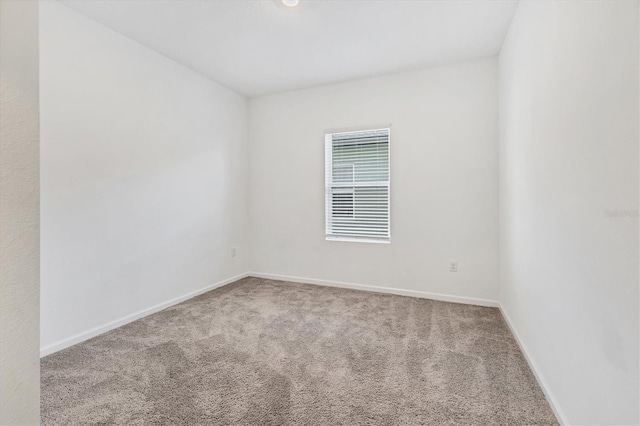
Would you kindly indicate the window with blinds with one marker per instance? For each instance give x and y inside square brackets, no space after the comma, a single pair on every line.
[357,186]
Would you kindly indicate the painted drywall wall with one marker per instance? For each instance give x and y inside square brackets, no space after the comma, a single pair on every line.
[143,166]
[19,215]
[443,180]
[569,201]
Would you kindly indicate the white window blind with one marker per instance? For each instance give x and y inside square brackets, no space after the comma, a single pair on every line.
[357,185]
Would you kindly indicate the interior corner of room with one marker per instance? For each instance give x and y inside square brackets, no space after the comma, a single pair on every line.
[465,212]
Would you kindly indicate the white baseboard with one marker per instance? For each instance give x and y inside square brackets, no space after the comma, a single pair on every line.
[86,335]
[365,287]
[562,419]
[436,296]
[93,332]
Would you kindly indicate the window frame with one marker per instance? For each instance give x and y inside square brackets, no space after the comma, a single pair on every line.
[329,187]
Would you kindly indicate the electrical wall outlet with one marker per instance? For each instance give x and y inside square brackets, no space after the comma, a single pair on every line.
[233,252]
[453,266]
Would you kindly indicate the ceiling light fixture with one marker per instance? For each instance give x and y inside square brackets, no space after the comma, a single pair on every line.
[290,3]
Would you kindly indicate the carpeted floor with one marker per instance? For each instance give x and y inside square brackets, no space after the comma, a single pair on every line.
[265,352]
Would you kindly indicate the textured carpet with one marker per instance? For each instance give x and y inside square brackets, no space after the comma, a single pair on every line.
[265,352]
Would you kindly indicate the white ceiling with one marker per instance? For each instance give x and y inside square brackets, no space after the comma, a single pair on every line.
[260,47]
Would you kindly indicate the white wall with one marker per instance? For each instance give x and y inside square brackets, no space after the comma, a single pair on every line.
[19,214]
[568,155]
[143,177]
[443,180]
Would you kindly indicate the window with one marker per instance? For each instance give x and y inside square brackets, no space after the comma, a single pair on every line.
[357,186]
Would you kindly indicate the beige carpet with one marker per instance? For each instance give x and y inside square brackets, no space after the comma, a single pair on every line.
[265,352]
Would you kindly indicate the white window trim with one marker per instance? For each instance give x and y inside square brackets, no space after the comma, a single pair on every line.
[328,151]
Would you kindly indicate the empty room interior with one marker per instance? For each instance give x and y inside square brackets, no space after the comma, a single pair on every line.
[319,212]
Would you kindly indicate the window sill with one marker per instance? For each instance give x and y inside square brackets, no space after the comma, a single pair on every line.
[358,239]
